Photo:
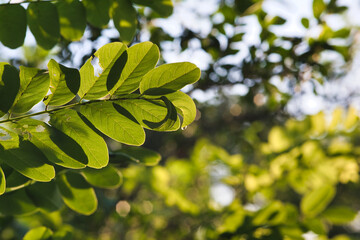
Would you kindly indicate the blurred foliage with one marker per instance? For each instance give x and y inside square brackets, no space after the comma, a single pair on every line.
[245,169]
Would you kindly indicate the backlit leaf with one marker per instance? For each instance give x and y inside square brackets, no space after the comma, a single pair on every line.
[125,21]
[39,233]
[107,177]
[64,84]
[137,154]
[185,105]
[169,78]
[142,57]
[12,25]
[77,193]
[43,21]
[2,181]
[97,12]
[34,85]
[317,200]
[112,59]
[120,127]
[69,122]
[162,7]
[25,158]
[55,145]
[339,214]
[72,19]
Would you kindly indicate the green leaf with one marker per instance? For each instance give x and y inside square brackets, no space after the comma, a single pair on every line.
[142,58]
[64,84]
[112,59]
[9,87]
[305,22]
[273,214]
[339,214]
[162,7]
[46,196]
[125,20]
[317,200]
[39,233]
[15,181]
[169,78]
[72,19]
[318,7]
[65,233]
[16,203]
[77,193]
[43,21]
[12,25]
[34,85]
[69,122]
[185,106]
[107,177]
[55,145]
[152,114]
[97,12]
[120,126]
[25,158]
[2,181]
[137,154]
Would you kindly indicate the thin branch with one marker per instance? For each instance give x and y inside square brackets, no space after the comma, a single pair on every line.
[69,106]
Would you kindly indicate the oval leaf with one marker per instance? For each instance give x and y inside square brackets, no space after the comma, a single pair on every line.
[152,114]
[185,106]
[9,87]
[339,214]
[69,122]
[317,200]
[112,59]
[137,154]
[77,193]
[25,158]
[169,78]
[72,19]
[55,145]
[107,177]
[34,85]
[39,233]
[46,196]
[97,12]
[120,127]
[16,203]
[12,25]
[142,58]
[64,84]
[43,21]
[125,20]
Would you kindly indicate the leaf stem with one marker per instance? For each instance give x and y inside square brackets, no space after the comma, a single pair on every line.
[46,111]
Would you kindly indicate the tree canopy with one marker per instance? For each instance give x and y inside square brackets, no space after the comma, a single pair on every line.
[100,137]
